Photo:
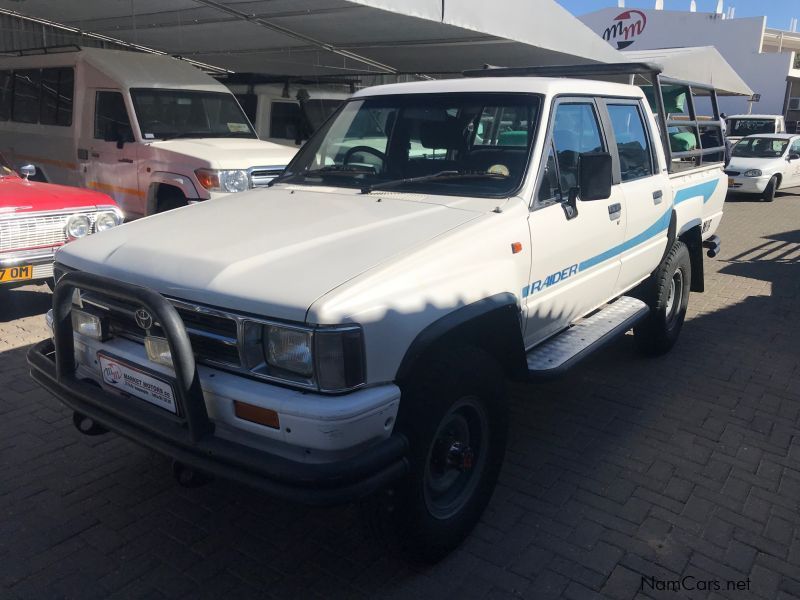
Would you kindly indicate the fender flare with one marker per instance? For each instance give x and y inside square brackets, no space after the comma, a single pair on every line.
[183,182]
[493,324]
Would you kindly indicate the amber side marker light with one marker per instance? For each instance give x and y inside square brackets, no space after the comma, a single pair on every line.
[516,247]
[256,414]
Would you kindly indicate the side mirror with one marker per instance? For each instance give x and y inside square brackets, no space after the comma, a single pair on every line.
[793,156]
[594,181]
[594,175]
[27,171]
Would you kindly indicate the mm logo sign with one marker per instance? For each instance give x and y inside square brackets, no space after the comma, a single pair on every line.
[626,27]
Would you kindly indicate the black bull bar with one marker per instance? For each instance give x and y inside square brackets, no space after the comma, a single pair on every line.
[188,436]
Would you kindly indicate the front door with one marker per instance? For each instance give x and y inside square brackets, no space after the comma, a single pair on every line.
[646,191]
[108,152]
[575,263]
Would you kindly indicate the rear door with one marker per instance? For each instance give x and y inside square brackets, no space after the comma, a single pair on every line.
[793,166]
[575,261]
[646,190]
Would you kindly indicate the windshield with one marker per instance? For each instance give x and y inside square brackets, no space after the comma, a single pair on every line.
[474,144]
[743,127]
[5,168]
[166,114]
[760,147]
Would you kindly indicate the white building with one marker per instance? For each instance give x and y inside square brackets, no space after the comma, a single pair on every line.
[764,58]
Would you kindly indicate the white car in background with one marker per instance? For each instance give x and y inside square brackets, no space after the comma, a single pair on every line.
[761,164]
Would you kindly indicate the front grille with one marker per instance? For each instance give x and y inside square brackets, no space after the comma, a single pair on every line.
[213,337]
[261,176]
[18,233]
[732,173]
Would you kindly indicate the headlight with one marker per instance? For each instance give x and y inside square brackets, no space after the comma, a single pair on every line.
[330,359]
[106,220]
[288,350]
[752,173]
[223,181]
[78,226]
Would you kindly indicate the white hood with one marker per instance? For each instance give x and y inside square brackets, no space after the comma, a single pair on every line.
[226,153]
[284,249]
[767,165]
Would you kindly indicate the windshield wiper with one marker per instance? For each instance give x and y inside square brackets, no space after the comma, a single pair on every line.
[441,175]
[346,170]
[185,134]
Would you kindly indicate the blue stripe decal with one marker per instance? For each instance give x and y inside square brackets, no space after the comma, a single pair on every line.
[653,230]
[702,189]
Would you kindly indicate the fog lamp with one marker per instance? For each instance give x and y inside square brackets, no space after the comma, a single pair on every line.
[158,350]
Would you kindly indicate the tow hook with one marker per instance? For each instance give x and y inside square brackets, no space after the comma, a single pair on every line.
[188,477]
[87,425]
[460,456]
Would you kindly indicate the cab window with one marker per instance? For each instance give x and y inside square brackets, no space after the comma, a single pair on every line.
[635,159]
[111,122]
[576,130]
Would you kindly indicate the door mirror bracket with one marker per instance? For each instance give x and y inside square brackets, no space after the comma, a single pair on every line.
[570,206]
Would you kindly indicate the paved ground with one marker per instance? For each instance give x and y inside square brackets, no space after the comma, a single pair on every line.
[625,478]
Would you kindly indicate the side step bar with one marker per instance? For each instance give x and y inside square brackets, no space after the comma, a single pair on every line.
[558,354]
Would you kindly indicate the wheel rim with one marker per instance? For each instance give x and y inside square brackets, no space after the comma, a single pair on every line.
[675,296]
[456,458]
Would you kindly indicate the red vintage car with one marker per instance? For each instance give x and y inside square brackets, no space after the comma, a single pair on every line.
[38,218]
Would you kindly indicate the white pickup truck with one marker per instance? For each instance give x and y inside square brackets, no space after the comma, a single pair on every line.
[347,334]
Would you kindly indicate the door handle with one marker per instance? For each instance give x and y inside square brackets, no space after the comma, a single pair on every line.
[125,160]
[658,195]
[614,211]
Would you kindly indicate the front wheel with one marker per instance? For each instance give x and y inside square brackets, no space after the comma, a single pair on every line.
[454,415]
[769,191]
[667,293]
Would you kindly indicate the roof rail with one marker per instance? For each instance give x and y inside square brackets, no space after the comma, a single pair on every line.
[588,70]
[48,50]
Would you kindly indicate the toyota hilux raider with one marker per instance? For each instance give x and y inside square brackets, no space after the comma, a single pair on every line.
[347,334]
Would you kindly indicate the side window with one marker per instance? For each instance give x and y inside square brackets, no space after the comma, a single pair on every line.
[111,121]
[25,106]
[6,83]
[635,160]
[56,97]
[575,130]
[283,120]
[795,147]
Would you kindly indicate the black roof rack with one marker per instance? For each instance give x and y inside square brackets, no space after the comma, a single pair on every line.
[587,70]
[47,50]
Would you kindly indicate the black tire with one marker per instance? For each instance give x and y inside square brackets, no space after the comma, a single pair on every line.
[459,396]
[667,294]
[769,191]
[169,198]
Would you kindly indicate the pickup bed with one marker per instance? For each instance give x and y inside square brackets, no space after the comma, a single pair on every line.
[347,334]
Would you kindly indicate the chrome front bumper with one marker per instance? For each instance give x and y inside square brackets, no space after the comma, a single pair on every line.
[41,261]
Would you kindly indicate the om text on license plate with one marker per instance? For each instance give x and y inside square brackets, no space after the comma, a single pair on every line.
[21,273]
[122,376]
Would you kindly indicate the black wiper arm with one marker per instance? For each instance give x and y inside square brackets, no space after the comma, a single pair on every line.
[433,177]
[328,170]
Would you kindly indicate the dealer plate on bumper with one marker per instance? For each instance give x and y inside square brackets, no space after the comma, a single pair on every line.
[136,382]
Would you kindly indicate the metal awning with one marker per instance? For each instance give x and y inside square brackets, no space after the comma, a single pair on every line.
[701,64]
[320,37]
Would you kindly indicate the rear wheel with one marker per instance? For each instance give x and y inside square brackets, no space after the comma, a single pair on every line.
[769,191]
[667,293]
[455,417]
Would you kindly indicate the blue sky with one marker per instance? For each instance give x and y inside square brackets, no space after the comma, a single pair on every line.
[778,12]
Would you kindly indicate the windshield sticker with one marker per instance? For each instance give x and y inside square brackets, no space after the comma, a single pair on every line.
[238,128]
[149,136]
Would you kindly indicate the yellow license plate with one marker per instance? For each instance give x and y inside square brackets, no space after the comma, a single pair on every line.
[20,273]
[730,181]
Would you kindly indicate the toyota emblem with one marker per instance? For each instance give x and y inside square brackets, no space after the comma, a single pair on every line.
[143,319]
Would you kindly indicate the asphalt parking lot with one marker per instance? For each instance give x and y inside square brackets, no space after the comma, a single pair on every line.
[631,478]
